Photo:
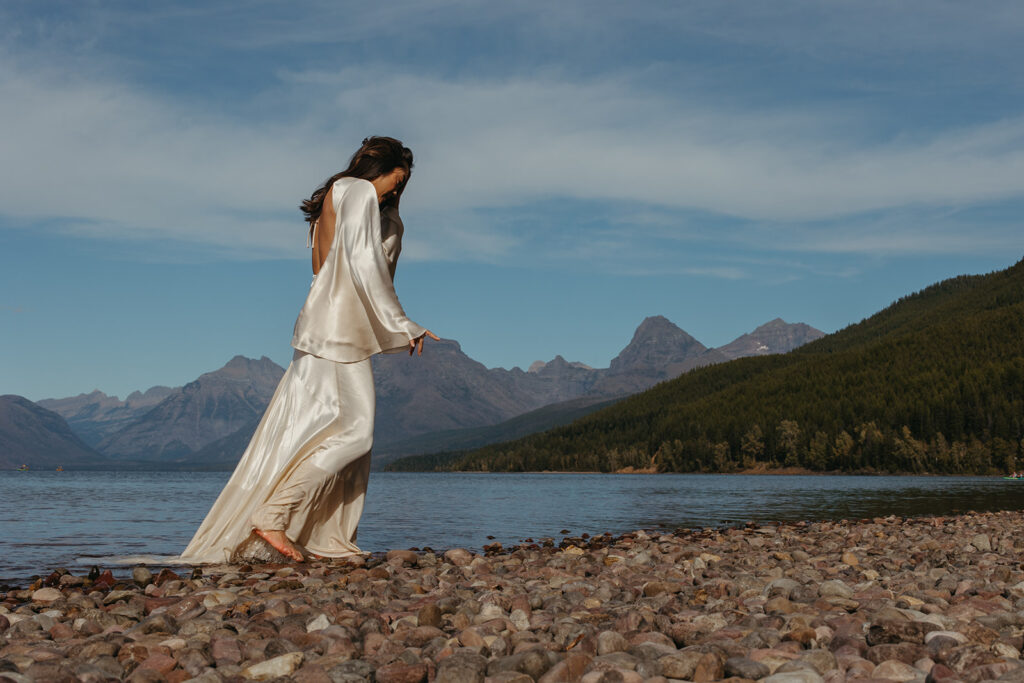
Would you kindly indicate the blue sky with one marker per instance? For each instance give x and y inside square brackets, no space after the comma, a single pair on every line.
[579,166]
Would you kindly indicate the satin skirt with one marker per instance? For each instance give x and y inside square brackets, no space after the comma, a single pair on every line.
[305,470]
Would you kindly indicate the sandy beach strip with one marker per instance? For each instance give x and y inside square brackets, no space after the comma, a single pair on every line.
[936,599]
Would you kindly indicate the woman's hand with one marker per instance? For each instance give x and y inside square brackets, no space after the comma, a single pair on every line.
[418,342]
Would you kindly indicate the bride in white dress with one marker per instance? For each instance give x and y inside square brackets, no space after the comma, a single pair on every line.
[301,482]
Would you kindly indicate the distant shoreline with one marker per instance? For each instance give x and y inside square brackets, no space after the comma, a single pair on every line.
[759,471]
[784,471]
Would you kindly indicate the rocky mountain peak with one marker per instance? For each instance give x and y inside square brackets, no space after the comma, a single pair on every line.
[208,408]
[558,363]
[657,344]
[240,366]
[31,434]
[775,336]
[150,397]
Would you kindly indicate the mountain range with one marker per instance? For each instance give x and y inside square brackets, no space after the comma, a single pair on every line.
[932,384]
[32,435]
[433,402]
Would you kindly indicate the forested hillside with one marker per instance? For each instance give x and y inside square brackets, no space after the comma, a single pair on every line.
[933,383]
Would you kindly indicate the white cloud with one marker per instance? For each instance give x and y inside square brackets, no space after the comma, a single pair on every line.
[99,157]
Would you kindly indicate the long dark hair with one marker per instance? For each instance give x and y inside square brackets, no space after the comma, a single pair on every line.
[378,156]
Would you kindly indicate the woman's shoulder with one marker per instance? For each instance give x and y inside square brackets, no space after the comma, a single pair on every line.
[354,187]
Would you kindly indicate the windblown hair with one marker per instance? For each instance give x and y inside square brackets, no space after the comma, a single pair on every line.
[378,156]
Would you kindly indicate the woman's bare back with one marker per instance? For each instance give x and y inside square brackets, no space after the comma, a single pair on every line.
[323,235]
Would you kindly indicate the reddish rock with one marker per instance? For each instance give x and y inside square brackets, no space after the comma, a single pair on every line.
[471,637]
[460,557]
[156,603]
[400,672]
[804,636]
[569,669]
[225,650]
[421,635]
[891,631]
[62,631]
[164,576]
[969,657]
[401,557]
[941,672]
[158,662]
[103,582]
[429,615]
[908,653]
[710,667]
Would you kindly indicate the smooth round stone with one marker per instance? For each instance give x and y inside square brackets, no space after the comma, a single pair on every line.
[460,557]
[742,667]
[896,671]
[318,624]
[283,665]
[801,676]
[955,635]
[219,597]
[47,595]
[142,576]
[835,588]
[610,641]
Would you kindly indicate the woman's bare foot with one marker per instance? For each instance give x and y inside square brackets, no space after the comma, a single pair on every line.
[279,542]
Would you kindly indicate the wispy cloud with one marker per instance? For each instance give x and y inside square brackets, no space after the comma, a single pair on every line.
[98,155]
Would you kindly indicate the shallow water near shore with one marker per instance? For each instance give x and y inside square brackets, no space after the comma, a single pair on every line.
[77,519]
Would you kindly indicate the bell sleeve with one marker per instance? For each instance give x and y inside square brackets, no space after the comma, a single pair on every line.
[392,230]
[363,247]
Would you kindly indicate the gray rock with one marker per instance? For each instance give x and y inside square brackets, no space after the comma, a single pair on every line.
[142,576]
[464,666]
[835,588]
[801,676]
[158,623]
[680,665]
[783,587]
[210,676]
[981,542]
[352,671]
[610,641]
[820,660]
[47,595]
[742,667]
[284,665]
[460,557]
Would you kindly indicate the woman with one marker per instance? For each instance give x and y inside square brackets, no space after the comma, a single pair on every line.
[302,480]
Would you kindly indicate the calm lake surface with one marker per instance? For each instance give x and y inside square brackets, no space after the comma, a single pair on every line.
[77,519]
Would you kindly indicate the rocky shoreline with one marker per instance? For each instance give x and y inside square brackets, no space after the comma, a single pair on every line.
[921,599]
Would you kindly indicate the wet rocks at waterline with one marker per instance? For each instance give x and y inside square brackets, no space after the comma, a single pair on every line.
[926,599]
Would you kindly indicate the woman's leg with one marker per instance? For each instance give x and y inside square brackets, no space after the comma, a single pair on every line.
[307,488]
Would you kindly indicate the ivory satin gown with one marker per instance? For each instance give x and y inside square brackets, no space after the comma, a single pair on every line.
[306,468]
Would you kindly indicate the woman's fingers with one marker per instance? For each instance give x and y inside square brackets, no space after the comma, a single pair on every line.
[417,343]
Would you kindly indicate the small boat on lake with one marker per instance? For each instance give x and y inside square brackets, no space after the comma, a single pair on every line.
[60,468]
[23,468]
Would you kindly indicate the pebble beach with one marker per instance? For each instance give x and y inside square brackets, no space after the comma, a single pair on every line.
[893,599]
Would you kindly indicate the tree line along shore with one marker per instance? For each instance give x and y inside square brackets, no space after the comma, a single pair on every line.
[932,384]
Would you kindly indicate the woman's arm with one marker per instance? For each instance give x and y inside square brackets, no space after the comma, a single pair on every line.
[360,227]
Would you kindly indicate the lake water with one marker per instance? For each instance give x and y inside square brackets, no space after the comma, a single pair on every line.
[77,519]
